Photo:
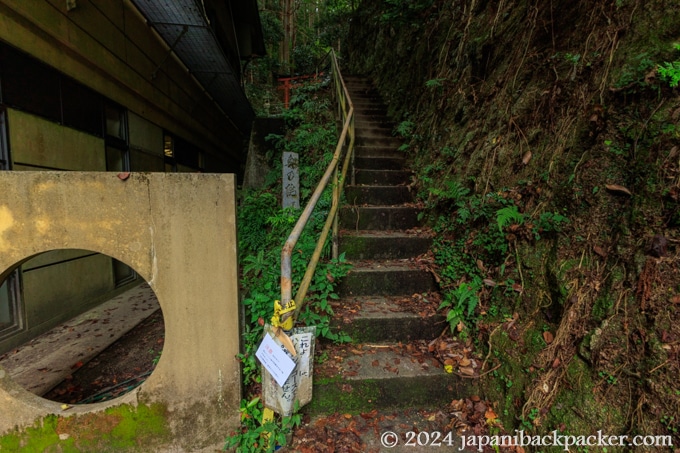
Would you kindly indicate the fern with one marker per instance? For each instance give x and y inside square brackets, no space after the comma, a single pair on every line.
[454,191]
[670,73]
[507,216]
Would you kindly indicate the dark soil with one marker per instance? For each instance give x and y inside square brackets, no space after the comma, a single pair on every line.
[118,369]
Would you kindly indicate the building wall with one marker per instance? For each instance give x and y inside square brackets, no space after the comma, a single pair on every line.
[104,50]
[107,46]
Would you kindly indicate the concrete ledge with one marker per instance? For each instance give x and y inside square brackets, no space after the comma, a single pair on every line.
[178,232]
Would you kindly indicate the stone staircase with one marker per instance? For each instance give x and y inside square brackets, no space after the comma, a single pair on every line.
[385,366]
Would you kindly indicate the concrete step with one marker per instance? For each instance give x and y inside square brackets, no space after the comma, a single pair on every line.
[360,378]
[377,151]
[378,195]
[385,319]
[379,163]
[382,177]
[375,121]
[381,245]
[386,278]
[379,142]
[372,108]
[370,117]
[379,217]
[374,132]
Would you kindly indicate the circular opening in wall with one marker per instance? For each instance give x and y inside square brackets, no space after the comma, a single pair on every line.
[78,327]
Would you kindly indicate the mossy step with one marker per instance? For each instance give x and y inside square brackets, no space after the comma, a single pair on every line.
[378,195]
[374,132]
[382,142]
[370,109]
[382,177]
[386,278]
[379,217]
[380,377]
[379,245]
[384,319]
[377,151]
[379,163]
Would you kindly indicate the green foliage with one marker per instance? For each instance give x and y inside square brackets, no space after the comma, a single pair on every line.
[404,12]
[508,216]
[633,74]
[549,222]
[434,83]
[405,129]
[264,227]
[670,73]
[461,303]
[256,436]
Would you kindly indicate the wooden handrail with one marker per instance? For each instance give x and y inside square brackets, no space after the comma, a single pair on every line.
[347,114]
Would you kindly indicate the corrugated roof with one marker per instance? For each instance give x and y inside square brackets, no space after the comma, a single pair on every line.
[184,27]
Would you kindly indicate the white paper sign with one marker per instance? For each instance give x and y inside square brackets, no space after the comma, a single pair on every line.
[275,360]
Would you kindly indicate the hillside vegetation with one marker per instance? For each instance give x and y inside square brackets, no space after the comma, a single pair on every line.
[545,140]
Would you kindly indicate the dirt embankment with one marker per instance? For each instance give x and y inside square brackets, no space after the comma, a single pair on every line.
[560,106]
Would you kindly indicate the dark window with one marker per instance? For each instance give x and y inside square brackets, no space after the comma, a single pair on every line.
[82,108]
[11,318]
[4,148]
[187,154]
[29,85]
[117,148]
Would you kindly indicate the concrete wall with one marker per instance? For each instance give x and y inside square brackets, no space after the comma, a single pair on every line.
[178,231]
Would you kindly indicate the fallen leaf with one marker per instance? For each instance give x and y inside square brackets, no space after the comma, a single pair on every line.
[548,337]
[489,282]
[467,371]
[465,362]
[617,189]
[600,251]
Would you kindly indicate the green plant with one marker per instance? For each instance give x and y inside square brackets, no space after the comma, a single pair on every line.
[434,83]
[156,356]
[461,303]
[549,222]
[256,436]
[609,378]
[508,216]
[670,73]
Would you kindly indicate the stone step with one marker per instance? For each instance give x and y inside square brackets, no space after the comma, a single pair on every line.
[370,117]
[385,319]
[378,195]
[379,163]
[382,177]
[379,142]
[377,151]
[360,378]
[370,109]
[379,217]
[377,132]
[381,245]
[385,278]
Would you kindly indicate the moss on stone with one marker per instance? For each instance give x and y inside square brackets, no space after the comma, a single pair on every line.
[123,428]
